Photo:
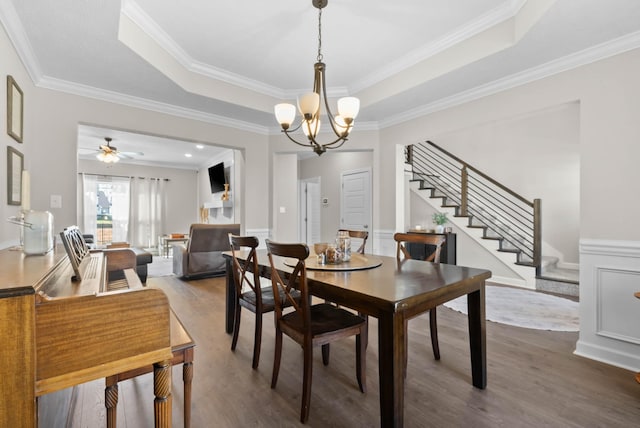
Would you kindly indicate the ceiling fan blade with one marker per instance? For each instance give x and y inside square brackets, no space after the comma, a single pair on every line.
[89,149]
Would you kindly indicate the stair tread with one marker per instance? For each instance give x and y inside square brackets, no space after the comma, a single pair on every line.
[492,225]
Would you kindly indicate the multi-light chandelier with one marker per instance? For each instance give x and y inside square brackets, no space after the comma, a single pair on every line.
[311,107]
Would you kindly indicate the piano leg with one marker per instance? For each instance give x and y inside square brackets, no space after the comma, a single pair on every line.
[162,391]
[111,400]
[187,377]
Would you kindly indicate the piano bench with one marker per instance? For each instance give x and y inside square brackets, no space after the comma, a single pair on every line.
[143,258]
[182,347]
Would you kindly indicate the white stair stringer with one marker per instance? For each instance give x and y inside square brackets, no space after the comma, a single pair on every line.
[526,274]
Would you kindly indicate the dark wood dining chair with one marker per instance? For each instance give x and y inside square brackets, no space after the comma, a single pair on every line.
[364,235]
[358,234]
[402,253]
[310,325]
[249,292]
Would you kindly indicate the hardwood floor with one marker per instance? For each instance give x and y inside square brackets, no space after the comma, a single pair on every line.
[534,379]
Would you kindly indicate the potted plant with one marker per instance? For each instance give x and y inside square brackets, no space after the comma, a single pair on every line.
[440,219]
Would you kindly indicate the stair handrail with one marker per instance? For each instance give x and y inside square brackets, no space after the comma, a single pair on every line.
[481,174]
[536,240]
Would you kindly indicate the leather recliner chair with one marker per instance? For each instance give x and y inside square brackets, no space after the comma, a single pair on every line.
[202,256]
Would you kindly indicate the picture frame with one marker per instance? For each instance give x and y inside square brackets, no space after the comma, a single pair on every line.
[15,109]
[15,164]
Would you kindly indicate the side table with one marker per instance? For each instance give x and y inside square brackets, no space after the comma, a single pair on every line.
[167,240]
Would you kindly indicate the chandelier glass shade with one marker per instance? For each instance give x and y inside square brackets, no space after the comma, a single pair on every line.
[311,105]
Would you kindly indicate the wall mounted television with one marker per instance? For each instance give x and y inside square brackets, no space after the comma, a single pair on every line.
[217,178]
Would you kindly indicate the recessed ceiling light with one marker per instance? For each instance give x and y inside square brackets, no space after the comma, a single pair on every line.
[188,155]
[199,146]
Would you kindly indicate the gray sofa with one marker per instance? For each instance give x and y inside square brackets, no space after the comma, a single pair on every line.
[202,256]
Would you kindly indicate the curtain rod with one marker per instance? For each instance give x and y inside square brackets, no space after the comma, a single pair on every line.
[121,176]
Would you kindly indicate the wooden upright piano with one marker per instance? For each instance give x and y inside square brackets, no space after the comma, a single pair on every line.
[56,333]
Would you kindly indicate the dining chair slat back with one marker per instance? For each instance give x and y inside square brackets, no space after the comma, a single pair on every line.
[358,234]
[403,239]
[309,324]
[402,253]
[250,294]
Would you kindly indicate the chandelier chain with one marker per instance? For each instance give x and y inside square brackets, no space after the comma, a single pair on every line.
[319,35]
[311,105]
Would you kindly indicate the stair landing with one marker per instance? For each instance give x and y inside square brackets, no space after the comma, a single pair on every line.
[559,281]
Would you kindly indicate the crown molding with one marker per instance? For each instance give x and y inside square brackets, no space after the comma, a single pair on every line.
[578,59]
[118,98]
[146,24]
[140,18]
[492,18]
[15,30]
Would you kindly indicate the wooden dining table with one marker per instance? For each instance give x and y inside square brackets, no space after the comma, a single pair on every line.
[392,292]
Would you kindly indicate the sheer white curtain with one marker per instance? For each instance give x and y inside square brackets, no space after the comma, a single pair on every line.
[89,212]
[119,208]
[147,211]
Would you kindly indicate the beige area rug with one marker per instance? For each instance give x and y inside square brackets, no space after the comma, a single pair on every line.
[525,308]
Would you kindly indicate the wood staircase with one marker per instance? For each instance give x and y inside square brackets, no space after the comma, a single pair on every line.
[486,209]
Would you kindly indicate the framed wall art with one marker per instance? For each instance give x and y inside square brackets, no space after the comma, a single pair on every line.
[15,108]
[15,163]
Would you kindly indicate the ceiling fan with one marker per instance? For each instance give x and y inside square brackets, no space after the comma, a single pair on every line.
[110,154]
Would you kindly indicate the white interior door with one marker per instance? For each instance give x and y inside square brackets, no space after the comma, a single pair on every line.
[310,210]
[355,209]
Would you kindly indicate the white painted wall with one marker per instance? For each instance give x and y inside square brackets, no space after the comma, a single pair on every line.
[280,147]
[328,167]
[11,65]
[537,156]
[608,93]
[51,119]
[224,215]
[285,198]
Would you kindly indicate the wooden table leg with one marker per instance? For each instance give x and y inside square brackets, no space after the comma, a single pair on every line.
[162,391]
[111,400]
[391,369]
[477,338]
[187,378]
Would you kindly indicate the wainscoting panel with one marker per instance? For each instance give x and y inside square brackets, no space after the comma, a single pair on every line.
[261,234]
[383,243]
[609,312]
[613,287]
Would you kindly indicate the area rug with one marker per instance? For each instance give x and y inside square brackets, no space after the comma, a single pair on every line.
[160,266]
[525,308]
